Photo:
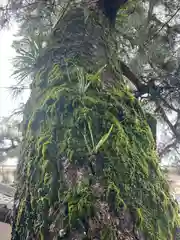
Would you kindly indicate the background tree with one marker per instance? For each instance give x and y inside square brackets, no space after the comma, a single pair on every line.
[64,188]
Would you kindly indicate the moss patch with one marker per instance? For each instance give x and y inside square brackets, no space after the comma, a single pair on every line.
[92,162]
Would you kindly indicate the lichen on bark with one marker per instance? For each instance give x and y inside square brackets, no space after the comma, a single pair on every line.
[88,167]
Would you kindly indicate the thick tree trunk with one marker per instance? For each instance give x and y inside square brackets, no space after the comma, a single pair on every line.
[88,167]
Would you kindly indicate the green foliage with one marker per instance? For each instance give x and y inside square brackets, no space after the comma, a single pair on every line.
[146,41]
[93,158]
[27,49]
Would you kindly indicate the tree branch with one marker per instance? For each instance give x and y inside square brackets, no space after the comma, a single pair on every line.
[164,25]
[167,148]
[132,78]
[166,119]
[170,106]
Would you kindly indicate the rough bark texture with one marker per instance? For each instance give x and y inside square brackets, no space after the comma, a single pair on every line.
[88,167]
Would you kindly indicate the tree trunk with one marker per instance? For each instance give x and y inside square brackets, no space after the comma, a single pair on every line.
[88,167]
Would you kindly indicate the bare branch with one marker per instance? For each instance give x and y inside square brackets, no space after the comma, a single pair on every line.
[166,119]
[131,76]
[163,26]
[168,148]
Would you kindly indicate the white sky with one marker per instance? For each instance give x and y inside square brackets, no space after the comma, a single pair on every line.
[7,104]
[6,54]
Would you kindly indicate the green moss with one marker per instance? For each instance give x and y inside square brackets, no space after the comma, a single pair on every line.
[97,138]
[152,123]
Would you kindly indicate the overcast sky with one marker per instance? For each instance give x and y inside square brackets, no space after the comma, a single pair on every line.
[6,54]
[7,104]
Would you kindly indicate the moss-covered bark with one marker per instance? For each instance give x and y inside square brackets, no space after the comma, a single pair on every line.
[88,167]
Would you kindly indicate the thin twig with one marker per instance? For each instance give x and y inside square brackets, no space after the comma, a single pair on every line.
[164,25]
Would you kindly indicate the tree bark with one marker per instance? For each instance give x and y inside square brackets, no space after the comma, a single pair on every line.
[88,166]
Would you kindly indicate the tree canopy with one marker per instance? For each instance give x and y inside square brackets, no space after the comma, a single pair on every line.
[148,37]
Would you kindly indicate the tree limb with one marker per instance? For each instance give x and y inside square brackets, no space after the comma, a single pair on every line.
[166,119]
[167,148]
[164,25]
[132,77]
